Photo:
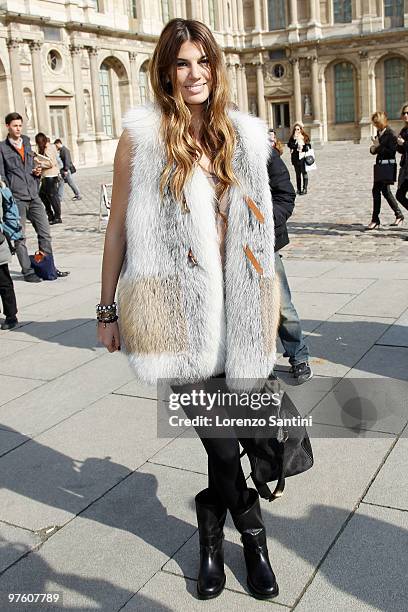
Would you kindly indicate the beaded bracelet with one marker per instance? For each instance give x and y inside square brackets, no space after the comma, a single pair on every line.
[105,321]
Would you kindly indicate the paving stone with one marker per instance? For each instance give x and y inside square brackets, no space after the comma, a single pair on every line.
[10,439]
[394,270]
[100,559]
[10,347]
[390,488]
[382,362]
[49,404]
[14,543]
[62,471]
[370,576]
[332,285]
[317,307]
[166,589]
[12,387]
[384,298]
[135,389]
[397,334]
[304,522]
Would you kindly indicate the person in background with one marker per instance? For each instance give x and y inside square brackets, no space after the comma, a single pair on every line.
[21,175]
[402,147]
[67,170]
[7,294]
[276,143]
[299,144]
[290,328]
[50,179]
[384,146]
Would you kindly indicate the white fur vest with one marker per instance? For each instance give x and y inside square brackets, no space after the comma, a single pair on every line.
[174,320]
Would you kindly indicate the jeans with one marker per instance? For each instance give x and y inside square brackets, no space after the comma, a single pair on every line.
[384,189]
[67,179]
[34,211]
[290,329]
[8,297]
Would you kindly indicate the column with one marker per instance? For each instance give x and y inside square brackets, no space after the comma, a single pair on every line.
[314,25]
[367,81]
[296,88]
[96,93]
[293,28]
[315,91]
[260,91]
[240,99]
[40,99]
[220,14]
[244,88]
[206,12]
[76,54]
[234,10]
[134,77]
[312,12]
[227,24]
[241,24]
[257,14]
[369,20]
[172,8]
[16,81]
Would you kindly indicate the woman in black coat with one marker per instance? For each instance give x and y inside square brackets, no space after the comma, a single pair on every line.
[402,147]
[299,144]
[384,147]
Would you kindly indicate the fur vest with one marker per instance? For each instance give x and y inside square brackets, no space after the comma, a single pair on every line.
[182,316]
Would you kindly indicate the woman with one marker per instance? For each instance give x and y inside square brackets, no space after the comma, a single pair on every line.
[49,178]
[299,144]
[402,147]
[191,235]
[276,143]
[7,294]
[384,147]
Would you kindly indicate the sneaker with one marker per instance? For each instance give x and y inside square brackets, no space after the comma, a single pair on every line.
[302,372]
[61,274]
[9,323]
[77,198]
[32,278]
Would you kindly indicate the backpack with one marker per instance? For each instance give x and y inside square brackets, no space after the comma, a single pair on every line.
[10,226]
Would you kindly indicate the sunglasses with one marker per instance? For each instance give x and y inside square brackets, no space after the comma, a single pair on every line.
[404,113]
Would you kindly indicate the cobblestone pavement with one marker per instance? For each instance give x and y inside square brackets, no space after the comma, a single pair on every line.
[328,223]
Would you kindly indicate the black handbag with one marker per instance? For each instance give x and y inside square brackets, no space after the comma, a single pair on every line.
[286,453]
[309,160]
[385,172]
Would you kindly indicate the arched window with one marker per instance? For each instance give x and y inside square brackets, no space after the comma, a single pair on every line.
[143,85]
[394,13]
[395,71]
[342,11]
[344,93]
[276,14]
[106,99]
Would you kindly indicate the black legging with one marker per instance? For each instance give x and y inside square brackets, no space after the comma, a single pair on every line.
[226,479]
[401,194]
[49,196]
[300,170]
[383,188]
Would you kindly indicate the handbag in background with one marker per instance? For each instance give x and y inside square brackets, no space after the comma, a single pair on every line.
[44,266]
[385,171]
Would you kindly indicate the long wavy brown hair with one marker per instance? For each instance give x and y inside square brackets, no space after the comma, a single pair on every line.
[302,131]
[217,133]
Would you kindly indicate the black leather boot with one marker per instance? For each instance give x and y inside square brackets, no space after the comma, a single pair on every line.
[261,580]
[210,518]
[305,184]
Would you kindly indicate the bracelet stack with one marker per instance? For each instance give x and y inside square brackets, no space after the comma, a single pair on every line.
[106,313]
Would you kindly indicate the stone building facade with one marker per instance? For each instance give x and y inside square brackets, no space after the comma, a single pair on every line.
[73,67]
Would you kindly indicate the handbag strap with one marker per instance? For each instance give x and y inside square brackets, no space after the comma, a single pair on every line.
[264,489]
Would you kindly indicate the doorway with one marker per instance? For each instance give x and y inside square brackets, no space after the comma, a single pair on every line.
[281,120]
[59,124]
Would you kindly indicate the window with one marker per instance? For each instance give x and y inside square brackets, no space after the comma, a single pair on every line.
[277,54]
[165,11]
[394,13]
[394,86]
[342,11]
[278,71]
[211,10]
[54,60]
[133,9]
[52,34]
[143,85]
[344,93]
[106,101]
[276,14]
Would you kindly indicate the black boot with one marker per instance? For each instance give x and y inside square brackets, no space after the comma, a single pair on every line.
[305,183]
[210,518]
[261,579]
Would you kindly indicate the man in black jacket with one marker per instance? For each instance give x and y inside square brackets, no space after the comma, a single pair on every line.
[21,175]
[290,329]
[66,170]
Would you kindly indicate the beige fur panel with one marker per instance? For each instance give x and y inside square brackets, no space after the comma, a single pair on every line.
[270,311]
[151,318]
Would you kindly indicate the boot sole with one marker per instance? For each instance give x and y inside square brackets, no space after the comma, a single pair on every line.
[212,595]
[258,595]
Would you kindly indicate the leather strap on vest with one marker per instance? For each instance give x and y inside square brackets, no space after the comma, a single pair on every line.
[253,260]
[251,204]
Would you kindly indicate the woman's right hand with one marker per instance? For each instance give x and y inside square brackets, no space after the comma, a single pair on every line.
[109,336]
